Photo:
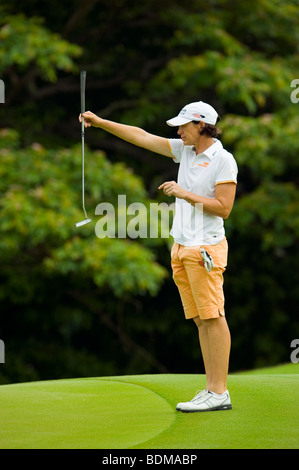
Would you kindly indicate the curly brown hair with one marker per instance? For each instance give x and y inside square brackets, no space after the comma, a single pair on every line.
[210,130]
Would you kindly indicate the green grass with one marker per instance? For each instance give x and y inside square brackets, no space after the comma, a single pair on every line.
[138,412]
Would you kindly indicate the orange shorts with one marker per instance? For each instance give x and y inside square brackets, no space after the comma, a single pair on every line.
[201,291]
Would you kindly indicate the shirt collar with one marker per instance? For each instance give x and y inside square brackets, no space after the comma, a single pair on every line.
[212,151]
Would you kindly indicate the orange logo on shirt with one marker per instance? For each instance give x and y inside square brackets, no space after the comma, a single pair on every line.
[205,164]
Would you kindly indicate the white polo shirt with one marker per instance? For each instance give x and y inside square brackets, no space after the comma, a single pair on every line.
[200,174]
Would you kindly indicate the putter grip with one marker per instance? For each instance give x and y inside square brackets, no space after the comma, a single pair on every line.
[82,89]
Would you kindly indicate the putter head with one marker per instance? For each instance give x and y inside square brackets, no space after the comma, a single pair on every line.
[83,222]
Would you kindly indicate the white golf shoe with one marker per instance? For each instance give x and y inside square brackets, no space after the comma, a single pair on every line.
[206,401]
[198,395]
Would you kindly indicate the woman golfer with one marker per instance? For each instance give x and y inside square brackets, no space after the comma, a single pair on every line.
[205,193]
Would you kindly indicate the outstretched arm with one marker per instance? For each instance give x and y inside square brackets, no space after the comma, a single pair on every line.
[133,135]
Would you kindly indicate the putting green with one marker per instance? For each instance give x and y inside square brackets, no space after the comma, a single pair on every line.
[139,412]
[66,414]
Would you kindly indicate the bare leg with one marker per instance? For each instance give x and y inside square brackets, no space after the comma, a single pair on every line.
[215,342]
[205,349]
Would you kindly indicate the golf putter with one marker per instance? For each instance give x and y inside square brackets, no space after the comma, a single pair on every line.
[82,92]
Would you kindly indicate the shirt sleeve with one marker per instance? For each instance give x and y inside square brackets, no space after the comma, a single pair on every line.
[176,147]
[227,170]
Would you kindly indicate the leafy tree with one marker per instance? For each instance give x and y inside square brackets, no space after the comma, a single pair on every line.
[144,62]
[50,268]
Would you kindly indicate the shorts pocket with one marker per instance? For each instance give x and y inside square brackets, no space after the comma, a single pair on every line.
[218,253]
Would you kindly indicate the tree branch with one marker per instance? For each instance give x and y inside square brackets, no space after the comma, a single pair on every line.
[78,16]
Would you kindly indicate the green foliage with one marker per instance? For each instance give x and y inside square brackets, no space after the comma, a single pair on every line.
[273,206]
[41,250]
[60,284]
[26,45]
[40,203]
